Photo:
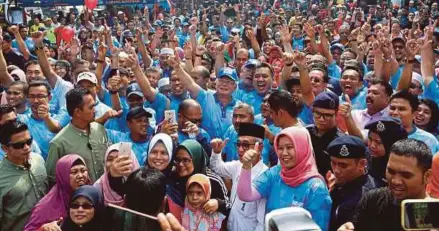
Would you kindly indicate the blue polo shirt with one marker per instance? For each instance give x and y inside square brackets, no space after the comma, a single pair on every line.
[159,106]
[254,99]
[39,131]
[216,117]
[138,147]
[426,137]
[177,100]
[358,101]
[240,92]
[311,195]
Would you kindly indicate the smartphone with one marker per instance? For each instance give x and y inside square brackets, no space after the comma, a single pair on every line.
[170,116]
[125,148]
[420,214]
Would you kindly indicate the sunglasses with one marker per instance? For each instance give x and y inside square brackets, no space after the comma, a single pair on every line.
[20,145]
[85,206]
[244,146]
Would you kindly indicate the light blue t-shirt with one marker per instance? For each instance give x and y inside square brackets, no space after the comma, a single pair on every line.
[432,91]
[138,147]
[334,71]
[312,195]
[159,106]
[359,101]
[39,131]
[100,108]
[58,100]
[254,99]
[394,79]
[34,149]
[240,92]
[426,137]
[306,115]
[216,117]
[28,41]
[298,44]
[176,101]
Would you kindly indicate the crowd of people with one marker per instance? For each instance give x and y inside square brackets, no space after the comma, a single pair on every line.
[231,110]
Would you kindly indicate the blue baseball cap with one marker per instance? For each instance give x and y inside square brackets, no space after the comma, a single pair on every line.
[228,72]
[134,88]
[252,63]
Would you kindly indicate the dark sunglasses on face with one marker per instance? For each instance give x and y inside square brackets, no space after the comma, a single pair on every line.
[324,115]
[20,145]
[85,206]
[244,146]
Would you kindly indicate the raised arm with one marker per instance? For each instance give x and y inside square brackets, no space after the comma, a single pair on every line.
[142,49]
[406,77]
[185,78]
[305,83]
[246,191]
[219,57]
[427,57]
[311,33]
[285,38]
[20,42]
[50,75]
[148,91]
[216,162]
[102,50]
[254,42]
[5,78]
[324,43]
[390,62]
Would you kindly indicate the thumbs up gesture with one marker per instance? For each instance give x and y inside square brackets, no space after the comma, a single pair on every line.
[345,108]
[218,145]
[249,156]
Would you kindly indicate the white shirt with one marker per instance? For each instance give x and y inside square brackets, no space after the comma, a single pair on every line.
[244,216]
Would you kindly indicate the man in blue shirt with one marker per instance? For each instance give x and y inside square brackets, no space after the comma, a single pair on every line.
[245,85]
[262,82]
[43,125]
[27,40]
[218,106]
[403,106]
[139,131]
[351,83]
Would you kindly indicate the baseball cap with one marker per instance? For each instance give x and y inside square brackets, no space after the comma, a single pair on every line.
[134,88]
[137,112]
[252,63]
[166,51]
[337,46]
[87,76]
[228,72]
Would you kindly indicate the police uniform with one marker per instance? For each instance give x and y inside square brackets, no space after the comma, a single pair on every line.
[389,130]
[346,197]
[325,100]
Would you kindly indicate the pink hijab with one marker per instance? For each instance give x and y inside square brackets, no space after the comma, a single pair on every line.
[305,163]
[111,196]
[56,203]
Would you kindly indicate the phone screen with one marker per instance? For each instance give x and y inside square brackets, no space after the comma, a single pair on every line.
[421,214]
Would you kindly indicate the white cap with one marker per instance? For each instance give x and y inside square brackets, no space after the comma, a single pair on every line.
[163,82]
[87,76]
[166,51]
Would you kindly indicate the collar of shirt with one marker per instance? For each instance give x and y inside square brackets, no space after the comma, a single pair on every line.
[230,104]
[329,135]
[8,164]
[383,112]
[77,130]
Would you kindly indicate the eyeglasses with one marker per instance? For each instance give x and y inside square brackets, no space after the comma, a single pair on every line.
[315,80]
[194,121]
[37,96]
[414,86]
[20,145]
[85,206]
[322,115]
[244,146]
[185,161]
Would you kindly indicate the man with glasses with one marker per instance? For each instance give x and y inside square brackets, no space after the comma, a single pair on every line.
[243,215]
[189,122]
[324,130]
[23,179]
[7,114]
[43,125]
[16,96]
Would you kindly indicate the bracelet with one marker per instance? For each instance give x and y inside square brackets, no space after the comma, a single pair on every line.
[289,64]
[198,55]
[100,61]
[113,92]
[412,61]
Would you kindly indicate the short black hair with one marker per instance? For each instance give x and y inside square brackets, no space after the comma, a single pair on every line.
[30,62]
[9,129]
[282,99]
[353,65]
[387,87]
[5,109]
[320,67]
[266,65]
[204,72]
[414,148]
[145,190]
[39,83]
[405,94]
[75,99]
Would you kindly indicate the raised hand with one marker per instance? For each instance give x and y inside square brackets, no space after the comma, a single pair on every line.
[43,111]
[249,156]
[159,33]
[299,59]
[14,29]
[220,48]
[132,61]
[201,50]
[412,49]
[309,30]
[345,108]
[193,29]
[102,50]
[218,145]
[424,43]
[174,61]
[114,83]
[288,58]
[285,35]
[191,129]
[121,166]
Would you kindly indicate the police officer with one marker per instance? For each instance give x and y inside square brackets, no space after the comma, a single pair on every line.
[348,162]
[324,130]
[383,133]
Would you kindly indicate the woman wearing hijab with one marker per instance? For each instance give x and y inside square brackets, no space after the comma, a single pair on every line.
[159,155]
[198,192]
[295,182]
[383,133]
[191,159]
[111,196]
[85,210]
[71,173]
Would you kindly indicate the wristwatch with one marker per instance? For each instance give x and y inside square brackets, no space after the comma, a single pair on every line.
[39,47]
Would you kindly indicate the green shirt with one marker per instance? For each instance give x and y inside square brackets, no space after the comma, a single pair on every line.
[20,190]
[72,140]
